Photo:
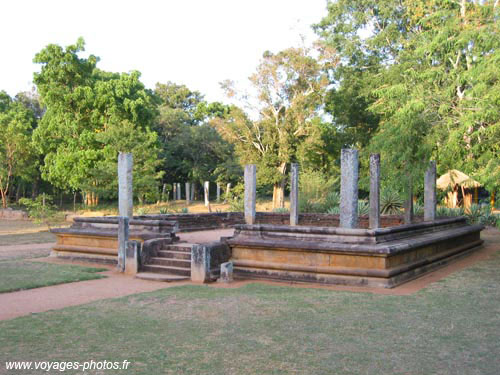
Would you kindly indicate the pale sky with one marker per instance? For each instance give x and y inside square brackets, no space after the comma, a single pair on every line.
[198,43]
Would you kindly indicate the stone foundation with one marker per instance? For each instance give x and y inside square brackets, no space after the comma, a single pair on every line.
[384,257]
[96,238]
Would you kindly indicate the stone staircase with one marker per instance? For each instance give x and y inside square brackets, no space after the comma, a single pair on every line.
[171,263]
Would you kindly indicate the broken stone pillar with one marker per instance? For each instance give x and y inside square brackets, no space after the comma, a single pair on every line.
[132,256]
[187,193]
[125,192]
[226,272]
[349,165]
[206,190]
[430,200]
[294,194]
[123,230]
[228,190]
[218,192]
[250,192]
[374,220]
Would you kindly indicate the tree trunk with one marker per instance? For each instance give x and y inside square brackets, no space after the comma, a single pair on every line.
[4,198]
[279,188]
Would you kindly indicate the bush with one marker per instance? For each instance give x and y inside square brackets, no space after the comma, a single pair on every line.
[449,212]
[281,210]
[316,192]
[40,209]
[391,202]
[363,208]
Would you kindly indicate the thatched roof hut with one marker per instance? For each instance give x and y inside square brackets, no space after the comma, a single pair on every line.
[453,178]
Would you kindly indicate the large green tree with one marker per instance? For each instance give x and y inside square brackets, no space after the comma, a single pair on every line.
[91,115]
[192,149]
[290,86]
[17,155]
[430,70]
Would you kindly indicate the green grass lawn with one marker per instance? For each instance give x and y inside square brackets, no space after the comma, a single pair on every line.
[24,274]
[451,327]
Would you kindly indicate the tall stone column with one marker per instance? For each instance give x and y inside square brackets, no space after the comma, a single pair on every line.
[125,192]
[218,192]
[250,192]
[374,221]
[206,191]
[408,205]
[294,194]
[179,191]
[187,193]
[349,165]
[174,193]
[193,186]
[430,199]
[125,204]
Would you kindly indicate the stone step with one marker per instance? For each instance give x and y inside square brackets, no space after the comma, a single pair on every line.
[180,247]
[170,254]
[161,261]
[167,270]
[160,277]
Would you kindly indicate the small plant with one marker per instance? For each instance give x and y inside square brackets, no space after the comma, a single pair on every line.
[164,210]
[418,209]
[474,214]
[237,205]
[332,200]
[334,210]
[449,212]
[363,208]
[141,211]
[281,210]
[390,202]
[185,210]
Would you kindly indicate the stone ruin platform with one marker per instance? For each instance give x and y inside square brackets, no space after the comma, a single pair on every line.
[96,238]
[384,257]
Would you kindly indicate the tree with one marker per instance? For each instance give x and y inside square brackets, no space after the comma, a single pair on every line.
[290,87]
[192,149]
[16,151]
[431,76]
[92,115]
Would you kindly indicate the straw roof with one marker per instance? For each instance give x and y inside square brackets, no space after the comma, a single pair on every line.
[454,177]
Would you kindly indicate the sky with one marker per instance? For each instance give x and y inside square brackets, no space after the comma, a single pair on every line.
[198,43]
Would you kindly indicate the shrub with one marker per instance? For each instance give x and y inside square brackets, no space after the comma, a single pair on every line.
[391,202]
[40,209]
[363,208]
[281,210]
[316,192]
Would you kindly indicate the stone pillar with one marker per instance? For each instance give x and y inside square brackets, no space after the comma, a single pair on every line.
[188,195]
[218,192]
[206,190]
[349,165]
[250,192]
[179,191]
[294,194]
[374,221]
[408,205]
[125,195]
[193,186]
[430,192]
[226,272]
[132,257]
[174,193]
[123,228]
